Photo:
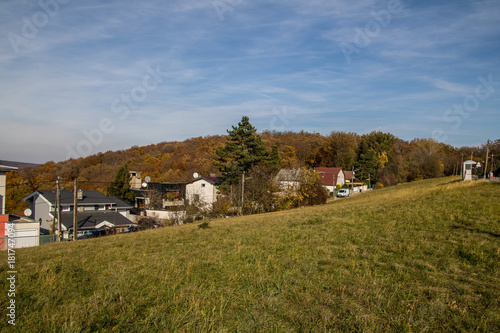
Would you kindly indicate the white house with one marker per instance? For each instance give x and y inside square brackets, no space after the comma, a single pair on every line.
[331,177]
[3,185]
[202,191]
[288,179]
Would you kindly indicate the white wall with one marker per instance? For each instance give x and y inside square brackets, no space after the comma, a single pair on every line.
[3,186]
[204,189]
[166,215]
[341,178]
[26,234]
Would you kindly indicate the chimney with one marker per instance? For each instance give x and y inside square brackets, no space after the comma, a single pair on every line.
[79,195]
[213,175]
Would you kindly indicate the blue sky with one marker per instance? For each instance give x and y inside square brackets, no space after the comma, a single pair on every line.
[80,77]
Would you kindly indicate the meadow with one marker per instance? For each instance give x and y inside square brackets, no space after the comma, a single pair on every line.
[416,257]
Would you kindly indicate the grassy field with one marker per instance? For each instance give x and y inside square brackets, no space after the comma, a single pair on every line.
[419,257]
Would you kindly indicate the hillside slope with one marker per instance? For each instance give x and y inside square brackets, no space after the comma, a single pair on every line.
[422,256]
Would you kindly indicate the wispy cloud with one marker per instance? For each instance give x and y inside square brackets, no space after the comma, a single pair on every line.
[263,56]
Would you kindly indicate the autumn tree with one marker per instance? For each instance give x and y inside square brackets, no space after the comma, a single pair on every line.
[311,189]
[374,153]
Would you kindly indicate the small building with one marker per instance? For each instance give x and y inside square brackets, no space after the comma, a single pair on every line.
[3,185]
[4,220]
[203,191]
[135,179]
[468,169]
[331,177]
[159,196]
[21,232]
[288,179]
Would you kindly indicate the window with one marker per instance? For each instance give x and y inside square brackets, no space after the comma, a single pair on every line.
[203,185]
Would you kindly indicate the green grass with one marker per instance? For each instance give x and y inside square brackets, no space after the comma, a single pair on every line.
[419,257]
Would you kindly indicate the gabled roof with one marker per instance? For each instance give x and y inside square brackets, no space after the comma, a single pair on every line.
[92,219]
[90,198]
[6,168]
[121,204]
[288,175]
[19,165]
[212,180]
[348,175]
[329,176]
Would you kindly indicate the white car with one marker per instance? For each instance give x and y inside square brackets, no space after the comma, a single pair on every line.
[343,192]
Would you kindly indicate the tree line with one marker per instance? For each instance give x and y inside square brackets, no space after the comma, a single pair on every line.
[382,157]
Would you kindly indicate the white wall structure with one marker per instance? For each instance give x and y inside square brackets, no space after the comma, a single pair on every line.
[24,232]
[468,169]
[3,185]
[202,191]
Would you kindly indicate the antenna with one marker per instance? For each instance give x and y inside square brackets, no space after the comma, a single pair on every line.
[147,179]
[196,175]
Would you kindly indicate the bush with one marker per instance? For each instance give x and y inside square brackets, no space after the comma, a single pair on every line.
[311,188]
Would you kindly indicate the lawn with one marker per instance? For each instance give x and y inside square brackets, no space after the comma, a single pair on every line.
[418,257]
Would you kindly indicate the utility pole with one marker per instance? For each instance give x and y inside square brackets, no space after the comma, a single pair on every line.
[487,154]
[462,166]
[75,211]
[352,180]
[492,163]
[242,191]
[57,213]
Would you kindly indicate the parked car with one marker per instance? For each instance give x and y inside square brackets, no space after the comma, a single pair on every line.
[93,234]
[131,229]
[343,192]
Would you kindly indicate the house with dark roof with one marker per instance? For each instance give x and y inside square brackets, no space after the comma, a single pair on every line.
[160,195]
[331,177]
[95,210]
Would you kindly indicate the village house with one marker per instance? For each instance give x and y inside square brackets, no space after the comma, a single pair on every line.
[95,210]
[288,179]
[202,191]
[331,177]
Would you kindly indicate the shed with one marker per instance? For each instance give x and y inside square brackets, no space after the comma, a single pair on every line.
[467,169]
[24,232]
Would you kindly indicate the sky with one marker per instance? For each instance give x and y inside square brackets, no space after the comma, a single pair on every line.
[82,77]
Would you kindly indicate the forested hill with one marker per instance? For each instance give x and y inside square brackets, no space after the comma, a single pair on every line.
[382,156]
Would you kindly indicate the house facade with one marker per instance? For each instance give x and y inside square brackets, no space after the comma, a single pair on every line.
[95,210]
[288,179]
[331,177]
[202,191]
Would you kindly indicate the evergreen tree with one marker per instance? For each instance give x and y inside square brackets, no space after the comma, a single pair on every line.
[120,187]
[243,150]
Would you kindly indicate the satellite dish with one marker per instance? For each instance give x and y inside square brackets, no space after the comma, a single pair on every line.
[27,212]
[196,175]
[147,179]
[144,184]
